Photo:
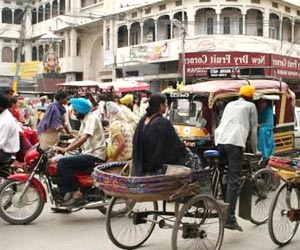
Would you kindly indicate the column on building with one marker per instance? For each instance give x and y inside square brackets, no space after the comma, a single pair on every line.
[67,44]
[44,12]
[128,33]
[28,51]
[67,3]
[0,15]
[142,31]
[266,24]
[156,29]
[51,14]
[190,27]
[218,13]
[58,7]
[73,42]
[280,27]
[13,16]
[244,22]
[1,47]
[293,31]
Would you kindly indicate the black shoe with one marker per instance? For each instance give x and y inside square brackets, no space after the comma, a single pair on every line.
[73,202]
[233,226]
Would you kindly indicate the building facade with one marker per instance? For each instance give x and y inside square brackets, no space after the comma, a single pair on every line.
[103,40]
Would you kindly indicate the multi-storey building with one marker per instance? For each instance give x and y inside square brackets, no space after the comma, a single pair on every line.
[103,40]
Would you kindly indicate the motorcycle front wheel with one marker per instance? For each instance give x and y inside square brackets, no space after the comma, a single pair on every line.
[17,208]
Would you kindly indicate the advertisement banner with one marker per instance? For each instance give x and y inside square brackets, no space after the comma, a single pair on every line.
[28,70]
[150,52]
[197,63]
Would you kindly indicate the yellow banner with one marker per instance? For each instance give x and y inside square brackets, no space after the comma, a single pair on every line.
[27,69]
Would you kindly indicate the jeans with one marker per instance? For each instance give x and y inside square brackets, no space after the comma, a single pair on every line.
[68,165]
[234,156]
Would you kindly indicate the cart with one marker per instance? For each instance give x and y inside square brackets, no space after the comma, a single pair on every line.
[284,214]
[179,200]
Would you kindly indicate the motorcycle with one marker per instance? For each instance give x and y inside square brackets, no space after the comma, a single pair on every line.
[23,196]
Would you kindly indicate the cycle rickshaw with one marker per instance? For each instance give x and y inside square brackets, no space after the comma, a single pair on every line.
[196,111]
[179,200]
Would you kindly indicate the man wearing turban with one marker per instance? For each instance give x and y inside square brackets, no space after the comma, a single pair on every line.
[238,123]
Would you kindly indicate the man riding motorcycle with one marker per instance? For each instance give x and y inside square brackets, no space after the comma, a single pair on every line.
[9,132]
[91,140]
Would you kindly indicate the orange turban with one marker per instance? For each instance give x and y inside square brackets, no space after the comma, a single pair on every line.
[247,91]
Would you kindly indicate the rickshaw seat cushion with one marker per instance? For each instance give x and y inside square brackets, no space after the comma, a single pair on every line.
[211,153]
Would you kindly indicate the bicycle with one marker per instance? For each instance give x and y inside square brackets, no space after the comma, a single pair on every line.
[257,185]
[284,214]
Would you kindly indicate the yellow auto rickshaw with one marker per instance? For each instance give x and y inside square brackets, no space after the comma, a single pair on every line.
[197,109]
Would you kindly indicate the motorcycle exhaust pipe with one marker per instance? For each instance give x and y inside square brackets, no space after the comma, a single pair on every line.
[96,204]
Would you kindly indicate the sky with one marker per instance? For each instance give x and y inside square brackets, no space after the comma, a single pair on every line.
[296,2]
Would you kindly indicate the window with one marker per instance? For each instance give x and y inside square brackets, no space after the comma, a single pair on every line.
[148,11]
[162,7]
[255,1]
[231,0]
[7,54]
[210,26]
[275,5]
[178,3]
[298,12]
[134,14]
[204,1]
[287,9]
[226,25]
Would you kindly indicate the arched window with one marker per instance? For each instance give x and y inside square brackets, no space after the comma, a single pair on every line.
[18,16]
[6,15]
[34,54]
[41,53]
[33,16]
[62,7]
[47,11]
[40,14]
[78,47]
[7,54]
[54,8]
[107,38]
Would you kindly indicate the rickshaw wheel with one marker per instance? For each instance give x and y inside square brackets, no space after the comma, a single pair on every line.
[199,225]
[133,225]
[265,185]
[281,228]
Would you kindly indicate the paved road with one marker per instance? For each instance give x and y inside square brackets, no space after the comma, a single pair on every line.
[85,230]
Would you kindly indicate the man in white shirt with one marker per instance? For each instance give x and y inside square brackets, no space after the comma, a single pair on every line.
[239,121]
[9,132]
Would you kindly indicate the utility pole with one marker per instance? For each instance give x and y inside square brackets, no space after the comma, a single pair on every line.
[19,49]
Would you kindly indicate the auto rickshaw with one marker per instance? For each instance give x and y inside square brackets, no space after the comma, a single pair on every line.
[197,109]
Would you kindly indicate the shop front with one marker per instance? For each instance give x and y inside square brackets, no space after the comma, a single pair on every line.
[285,67]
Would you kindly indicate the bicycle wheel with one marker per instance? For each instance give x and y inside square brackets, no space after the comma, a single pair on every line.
[16,209]
[281,226]
[133,225]
[199,225]
[264,187]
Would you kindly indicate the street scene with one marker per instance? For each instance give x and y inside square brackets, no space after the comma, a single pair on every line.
[86,230]
[158,124]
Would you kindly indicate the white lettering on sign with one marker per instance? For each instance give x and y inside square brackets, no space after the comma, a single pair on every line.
[220,59]
[240,59]
[258,60]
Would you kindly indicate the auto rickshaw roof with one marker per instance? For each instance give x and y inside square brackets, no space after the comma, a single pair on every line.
[223,88]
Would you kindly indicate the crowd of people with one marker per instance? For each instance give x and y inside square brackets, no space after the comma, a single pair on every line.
[127,128]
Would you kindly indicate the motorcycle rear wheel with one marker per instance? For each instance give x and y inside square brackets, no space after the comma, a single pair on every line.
[18,210]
